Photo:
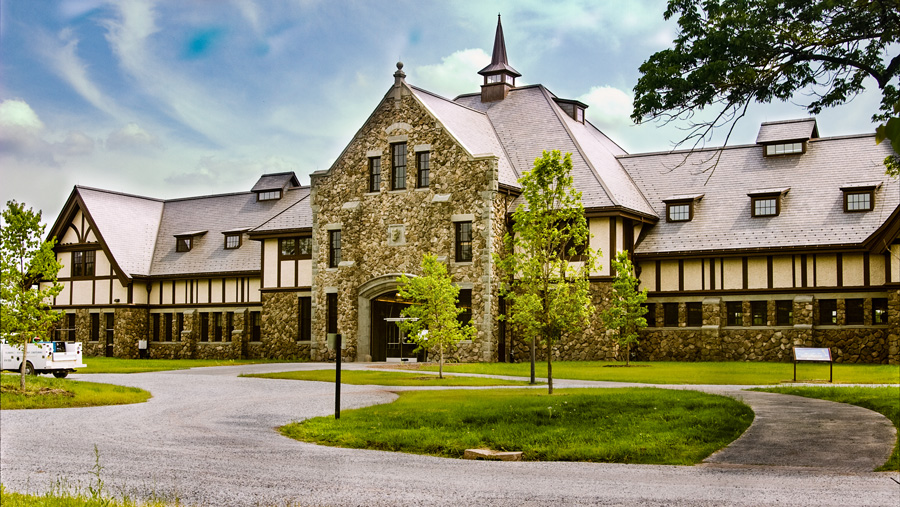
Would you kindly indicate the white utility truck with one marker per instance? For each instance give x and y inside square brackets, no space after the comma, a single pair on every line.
[58,358]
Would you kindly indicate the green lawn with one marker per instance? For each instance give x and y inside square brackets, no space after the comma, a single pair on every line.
[117,365]
[73,499]
[665,372]
[387,378]
[638,425]
[49,392]
[884,400]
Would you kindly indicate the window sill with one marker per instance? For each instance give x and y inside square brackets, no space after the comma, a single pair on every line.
[397,191]
[304,342]
[372,193]
[460,263]
[422,189]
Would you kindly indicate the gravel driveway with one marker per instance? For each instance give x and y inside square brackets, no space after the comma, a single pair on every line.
[208,437]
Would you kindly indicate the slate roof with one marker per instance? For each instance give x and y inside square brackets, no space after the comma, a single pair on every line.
[787,130]
[275,181]
[529,121]
[812,213]
[140,231]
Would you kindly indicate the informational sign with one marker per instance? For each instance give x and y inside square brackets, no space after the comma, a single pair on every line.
[812,354]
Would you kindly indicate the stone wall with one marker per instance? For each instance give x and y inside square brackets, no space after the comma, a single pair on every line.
[279,328]
[131,325]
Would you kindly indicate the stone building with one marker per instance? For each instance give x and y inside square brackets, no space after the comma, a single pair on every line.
[795,241]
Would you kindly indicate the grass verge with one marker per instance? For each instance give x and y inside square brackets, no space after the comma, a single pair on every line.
[69,499]
[639,425]
[665,372]
[48,392]
[884,400]
[387,378]
[117,365]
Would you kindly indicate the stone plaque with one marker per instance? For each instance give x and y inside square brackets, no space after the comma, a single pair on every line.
[396,235]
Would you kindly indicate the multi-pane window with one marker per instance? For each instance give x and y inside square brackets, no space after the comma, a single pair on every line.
[204,327]
[858,201]
[334,248]
[66,329]
[853,312]
[784,312]
[765,206]
[304,318]
[232,241]
[879,311]
[255,326]
[670,314]
[184,244]
[465,303]
[694,314]
[167,321]
[295,248]
[156,327]
[179,327]
[217,326]
[678,212]
[374,174]
[463,241]
[398,166]
[758,315]
[423,164]
[269,195]
[734,313]
[827,312]
[784,149]
[229,325]
[95,327]
[331,312]
[83,263]
[650,316]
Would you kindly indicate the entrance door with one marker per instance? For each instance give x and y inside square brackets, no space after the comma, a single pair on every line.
[387,341]
[110,326]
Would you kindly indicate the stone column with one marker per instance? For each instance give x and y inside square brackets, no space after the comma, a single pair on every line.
[240,321]
[712,323]
[803,322]
[191,333]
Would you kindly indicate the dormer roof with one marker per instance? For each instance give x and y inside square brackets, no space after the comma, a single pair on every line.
[276,181]
[787,131]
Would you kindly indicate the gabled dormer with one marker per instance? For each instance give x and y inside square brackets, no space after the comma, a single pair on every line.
[499,77]
[271,187]
[573,108]
[787,137]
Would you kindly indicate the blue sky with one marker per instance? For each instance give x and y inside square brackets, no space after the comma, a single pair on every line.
[177,98]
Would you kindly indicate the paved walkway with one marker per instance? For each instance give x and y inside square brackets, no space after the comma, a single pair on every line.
[207,437]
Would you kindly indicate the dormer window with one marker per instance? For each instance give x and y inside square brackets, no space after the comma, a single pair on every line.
[184,241]
[680,208]
[573,108]
[232,241]
[785,149]
[860,196]
[766,202]
[270,195]
[787,137]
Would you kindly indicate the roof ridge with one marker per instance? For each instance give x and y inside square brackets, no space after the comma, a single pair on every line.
[273,217]
[451,101]
[116,192]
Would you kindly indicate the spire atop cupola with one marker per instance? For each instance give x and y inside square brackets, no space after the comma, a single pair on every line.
[499,77]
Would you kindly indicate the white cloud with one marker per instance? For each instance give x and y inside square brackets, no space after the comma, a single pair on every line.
[21,133]
[131,137]
[456,74]
[75,144]
[16,114]
[609,107]
[212,171]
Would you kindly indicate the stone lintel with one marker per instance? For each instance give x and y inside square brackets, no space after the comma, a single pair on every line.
[398,139]
[464,217]
[441,198]
[712,301]
[405,127]
[333,227]
[422,147]
[346,264]
[350,205]
[804,299]
[373,153]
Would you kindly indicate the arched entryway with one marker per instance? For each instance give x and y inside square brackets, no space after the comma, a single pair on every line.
[387,342]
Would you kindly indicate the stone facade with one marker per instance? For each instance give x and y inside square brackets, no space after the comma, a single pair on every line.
[280,328]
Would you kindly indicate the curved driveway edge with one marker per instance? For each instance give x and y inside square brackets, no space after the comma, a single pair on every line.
[208,437]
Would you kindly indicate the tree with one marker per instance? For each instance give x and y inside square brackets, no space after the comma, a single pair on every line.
[433,323]
[26,262]
[547,259]
[729,53]
[625,314]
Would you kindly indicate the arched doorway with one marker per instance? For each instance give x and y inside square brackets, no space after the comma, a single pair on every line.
[387,342]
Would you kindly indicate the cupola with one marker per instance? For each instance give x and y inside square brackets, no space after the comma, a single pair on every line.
[499,77]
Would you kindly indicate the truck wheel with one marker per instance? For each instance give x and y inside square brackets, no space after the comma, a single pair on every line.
[29,368]
[60,373]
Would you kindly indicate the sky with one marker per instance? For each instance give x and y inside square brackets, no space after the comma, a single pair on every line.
[178,98]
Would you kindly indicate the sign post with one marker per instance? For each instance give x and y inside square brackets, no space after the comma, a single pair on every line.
[814,355]
[334,341]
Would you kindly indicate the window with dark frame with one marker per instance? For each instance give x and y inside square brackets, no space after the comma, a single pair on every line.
[204,327]
[66,329]
[734,313]
[269,195]
[334,248]
[670,314]
[859,201]
[156,327]
[759,313]
[398,166]
[304,318]
[217,326]
[229,325]
[110,327]
[83,263]
[179,327]
[232,241]
[463,241]
[374,174]
[295,248]
[784,149]
[331,312]
[853,312]
[465,302]
[879,311]
[423,167]
[784,313]
[255,326]
[828,312]
[694,314]
[95,327]
[679,212]
[167,320]
[765,206]
[650,316]
[184,244]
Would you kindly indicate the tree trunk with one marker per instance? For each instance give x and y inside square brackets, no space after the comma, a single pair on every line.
[22,368]
[441,367]
[549,369]
[627,353]
[532,361]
